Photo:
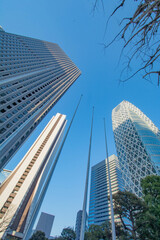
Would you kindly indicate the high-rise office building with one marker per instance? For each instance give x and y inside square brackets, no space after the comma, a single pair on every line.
[78,224]
[137,142]
[45,224]
[21,193]
[34,74]
[99,204]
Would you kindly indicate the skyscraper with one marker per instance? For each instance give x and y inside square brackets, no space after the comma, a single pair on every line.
[34,74]
[99,204]
[45,224]
[137,142]
[21,192]
[78,224]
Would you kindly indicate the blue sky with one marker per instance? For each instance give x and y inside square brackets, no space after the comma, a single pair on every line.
[80,33]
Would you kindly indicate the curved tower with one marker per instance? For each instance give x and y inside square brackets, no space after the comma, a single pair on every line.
[137,142]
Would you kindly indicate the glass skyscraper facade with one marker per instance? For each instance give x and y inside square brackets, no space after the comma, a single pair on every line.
[34,74]
[78,224]
[137,142]
[99,204]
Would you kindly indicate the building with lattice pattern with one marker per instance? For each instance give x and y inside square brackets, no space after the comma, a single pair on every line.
[99,203]
[137,142]
[22,192]
[34,75]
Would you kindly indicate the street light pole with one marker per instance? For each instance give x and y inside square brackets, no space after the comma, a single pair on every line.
[83,223]
[45,187]
[110,189]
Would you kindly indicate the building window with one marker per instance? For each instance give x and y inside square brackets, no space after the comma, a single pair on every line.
[2,130]
[15,120]
[9,125]
[2,120]
[3,110]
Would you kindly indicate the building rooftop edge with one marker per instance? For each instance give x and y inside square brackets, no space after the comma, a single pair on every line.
[99,163]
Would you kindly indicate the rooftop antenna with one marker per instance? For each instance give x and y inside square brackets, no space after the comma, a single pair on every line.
[83,223]
[110,189]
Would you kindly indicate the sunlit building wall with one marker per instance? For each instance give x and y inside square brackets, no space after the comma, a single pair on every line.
[20,193]
[34,75]
[99,204]
[137,142]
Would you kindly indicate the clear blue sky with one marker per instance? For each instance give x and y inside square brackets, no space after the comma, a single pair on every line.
[79,32]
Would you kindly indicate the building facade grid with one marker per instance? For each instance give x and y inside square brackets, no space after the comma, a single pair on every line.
[34,75]
[137,142]
[99,204]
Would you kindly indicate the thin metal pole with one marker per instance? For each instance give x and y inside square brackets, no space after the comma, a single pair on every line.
[83,223]
[110,189]
[45,187]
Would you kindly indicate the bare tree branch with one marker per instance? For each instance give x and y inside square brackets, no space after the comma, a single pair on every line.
[141,35]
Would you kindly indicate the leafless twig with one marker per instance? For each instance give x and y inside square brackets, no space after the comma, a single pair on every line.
[141,35]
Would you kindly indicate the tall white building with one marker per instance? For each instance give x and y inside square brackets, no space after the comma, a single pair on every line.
[99,204]
[34,75]
[20,193]
[137,142]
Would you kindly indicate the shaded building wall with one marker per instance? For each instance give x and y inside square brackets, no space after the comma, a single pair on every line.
[34,75]
[45,223]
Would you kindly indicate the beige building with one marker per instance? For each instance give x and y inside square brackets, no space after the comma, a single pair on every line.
[20,193]
[99,204]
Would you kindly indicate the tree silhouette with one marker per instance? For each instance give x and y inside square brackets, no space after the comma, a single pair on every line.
[151,195]
[141,35]
[68,234]
[39,235]
[129,208]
